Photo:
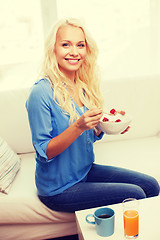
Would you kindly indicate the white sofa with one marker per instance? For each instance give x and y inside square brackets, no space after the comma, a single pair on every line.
[21,212]
[139,149]
[22,215]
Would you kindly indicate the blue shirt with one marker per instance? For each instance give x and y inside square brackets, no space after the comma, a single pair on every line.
[46,119]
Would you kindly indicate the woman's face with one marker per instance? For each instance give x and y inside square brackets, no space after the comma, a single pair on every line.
[70,49]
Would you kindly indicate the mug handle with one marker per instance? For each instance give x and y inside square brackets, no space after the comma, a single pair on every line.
[89,215]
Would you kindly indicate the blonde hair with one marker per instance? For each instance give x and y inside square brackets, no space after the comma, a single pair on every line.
[87,76]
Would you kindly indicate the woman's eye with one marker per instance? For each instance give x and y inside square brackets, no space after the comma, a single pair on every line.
[65,45]
[81,45]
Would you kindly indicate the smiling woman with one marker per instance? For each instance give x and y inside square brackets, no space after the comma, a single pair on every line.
[64,109]
[70,50]
[71,60]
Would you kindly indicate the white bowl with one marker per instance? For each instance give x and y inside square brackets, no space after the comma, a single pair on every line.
[112,127]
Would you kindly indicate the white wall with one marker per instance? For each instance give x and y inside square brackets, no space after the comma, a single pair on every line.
[127,33]
[21,44]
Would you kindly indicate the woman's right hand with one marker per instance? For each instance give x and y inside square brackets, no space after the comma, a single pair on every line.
[62,141]
[89,119]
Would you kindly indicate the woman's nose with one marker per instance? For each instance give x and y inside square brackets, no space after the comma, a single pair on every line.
[74,51]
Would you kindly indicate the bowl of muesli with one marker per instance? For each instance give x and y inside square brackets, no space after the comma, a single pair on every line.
[114,122]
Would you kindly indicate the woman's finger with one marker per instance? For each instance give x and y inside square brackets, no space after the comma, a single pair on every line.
[126,130]
[93,112]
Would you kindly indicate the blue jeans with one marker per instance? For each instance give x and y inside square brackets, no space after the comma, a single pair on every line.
[104,185]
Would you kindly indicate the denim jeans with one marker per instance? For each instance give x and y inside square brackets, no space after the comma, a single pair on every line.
[104,185]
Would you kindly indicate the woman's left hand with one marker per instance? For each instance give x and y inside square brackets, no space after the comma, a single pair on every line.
[97,131]
[126,130]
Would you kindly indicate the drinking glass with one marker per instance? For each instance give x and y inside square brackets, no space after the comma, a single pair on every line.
[131,218]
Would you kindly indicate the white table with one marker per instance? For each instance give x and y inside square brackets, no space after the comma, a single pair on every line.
[149,214]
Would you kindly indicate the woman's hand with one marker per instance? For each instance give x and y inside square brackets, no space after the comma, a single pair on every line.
[89,119]
[126,130]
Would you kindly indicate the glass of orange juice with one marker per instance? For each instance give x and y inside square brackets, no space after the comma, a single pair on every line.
[131,218]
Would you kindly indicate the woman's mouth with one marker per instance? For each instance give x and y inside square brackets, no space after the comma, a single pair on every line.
[72,60]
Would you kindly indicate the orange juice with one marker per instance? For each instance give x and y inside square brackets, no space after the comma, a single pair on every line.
[131,222]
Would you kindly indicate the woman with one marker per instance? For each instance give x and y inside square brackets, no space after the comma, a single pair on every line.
[64,108]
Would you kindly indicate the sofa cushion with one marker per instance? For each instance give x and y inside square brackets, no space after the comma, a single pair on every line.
[14,127]
[9,166]
[141,154]
[22,204]
[23,214]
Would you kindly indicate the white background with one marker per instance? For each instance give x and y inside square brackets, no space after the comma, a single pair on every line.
[126,31]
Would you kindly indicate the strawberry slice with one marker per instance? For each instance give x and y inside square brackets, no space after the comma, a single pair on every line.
[105,119]
[113,111]
[118,120]
[122,112]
